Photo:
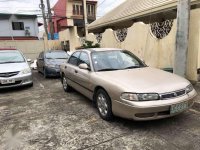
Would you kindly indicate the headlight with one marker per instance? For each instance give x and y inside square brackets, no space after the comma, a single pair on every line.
[140,97]
[129,96]
[189,88]
[148,97]
[26,71]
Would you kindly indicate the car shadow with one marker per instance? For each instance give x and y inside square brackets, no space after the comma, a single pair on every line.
[15,89]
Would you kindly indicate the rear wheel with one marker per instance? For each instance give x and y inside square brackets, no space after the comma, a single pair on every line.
[104,105]
[66,87]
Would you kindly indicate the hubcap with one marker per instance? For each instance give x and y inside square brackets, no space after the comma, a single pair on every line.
[64,83]
[102,104]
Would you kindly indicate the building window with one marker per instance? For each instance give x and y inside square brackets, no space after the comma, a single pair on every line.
[91,10]
[17,25]
[77,9]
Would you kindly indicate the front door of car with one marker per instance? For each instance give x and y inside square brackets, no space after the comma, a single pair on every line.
[82,76]
[72,66]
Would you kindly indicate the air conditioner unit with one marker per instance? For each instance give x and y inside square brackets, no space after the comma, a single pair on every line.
[27,33]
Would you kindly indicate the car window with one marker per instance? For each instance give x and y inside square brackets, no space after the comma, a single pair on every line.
[41,55]
[74,59]
[115,60]
[84,58]
[11,56]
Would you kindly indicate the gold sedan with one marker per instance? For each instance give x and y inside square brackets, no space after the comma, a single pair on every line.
[120,84]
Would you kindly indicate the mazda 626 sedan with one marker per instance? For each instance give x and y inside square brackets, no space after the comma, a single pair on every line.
[120,84]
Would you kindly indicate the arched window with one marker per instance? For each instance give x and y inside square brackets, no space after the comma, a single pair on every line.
[121,34]
[161,29]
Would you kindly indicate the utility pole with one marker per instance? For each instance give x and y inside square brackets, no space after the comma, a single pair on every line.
[50,19]
[42,6]
[182,37]
[85,17]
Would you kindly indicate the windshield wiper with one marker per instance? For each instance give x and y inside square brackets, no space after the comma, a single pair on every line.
[108,69]
[133,67]
[60,58]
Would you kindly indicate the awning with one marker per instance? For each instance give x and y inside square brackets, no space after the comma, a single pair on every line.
[132,11]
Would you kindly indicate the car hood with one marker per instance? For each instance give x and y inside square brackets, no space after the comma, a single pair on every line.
[144,80]
[56,61]
[13,67]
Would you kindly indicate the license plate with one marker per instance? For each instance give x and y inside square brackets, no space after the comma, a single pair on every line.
[7,81]
[178,107]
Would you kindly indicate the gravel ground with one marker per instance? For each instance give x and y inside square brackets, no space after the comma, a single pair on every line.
[44,117]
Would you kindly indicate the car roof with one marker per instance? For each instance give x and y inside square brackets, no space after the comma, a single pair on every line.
[50,51]
[8,49]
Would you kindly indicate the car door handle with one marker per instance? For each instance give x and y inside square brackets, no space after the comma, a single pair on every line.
[76,71]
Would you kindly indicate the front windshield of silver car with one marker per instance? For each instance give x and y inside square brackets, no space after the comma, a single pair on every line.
[115,60]
[11,57]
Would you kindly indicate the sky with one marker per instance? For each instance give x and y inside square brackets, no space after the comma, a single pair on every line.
[32,6]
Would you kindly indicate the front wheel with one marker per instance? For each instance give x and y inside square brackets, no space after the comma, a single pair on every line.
[104,105]
[66,87]
[45,73]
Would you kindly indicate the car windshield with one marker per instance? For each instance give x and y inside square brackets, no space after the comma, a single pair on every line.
[115,60]
[57,55]
[11,56]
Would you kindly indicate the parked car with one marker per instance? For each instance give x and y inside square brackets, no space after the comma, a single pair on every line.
[14,69]
[33,65]
[120,84]
[49,62]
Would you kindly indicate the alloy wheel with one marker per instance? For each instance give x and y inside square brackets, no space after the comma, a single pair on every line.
[102,104]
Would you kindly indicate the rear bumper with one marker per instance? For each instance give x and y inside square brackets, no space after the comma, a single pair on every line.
[20,80]
[150,110]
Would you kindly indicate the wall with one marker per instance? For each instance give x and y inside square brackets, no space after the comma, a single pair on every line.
[155,52]
[31,49]
[6,27]
[71,36]
[52,44]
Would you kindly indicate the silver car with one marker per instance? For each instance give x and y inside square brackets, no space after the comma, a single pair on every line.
[14,69]
[120,84]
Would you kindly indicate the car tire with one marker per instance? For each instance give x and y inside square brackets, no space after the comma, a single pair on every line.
[104,105]
[66,87]
[45,73]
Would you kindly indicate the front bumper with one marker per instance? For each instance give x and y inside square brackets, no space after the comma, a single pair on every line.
[20,80]
[52,71]
[150,110]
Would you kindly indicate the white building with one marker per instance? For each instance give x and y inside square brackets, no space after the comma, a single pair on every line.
[18,27]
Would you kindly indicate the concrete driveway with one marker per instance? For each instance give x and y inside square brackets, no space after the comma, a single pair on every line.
[45,117]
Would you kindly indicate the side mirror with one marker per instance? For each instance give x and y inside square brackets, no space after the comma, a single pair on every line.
[29,60]
[84,66]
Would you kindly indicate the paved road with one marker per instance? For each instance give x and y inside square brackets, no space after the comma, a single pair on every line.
[44,117]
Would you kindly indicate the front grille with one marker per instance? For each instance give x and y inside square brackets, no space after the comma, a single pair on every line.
[10,84]
[8,74]
[173,94]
